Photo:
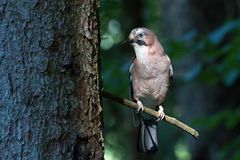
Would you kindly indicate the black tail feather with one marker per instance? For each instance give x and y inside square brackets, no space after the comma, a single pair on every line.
[147,136]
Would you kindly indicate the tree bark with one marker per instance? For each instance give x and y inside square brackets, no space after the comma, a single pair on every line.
[50,101]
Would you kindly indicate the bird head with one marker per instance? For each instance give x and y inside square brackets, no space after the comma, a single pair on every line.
[141,37]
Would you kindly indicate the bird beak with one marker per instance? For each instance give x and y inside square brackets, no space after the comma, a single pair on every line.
[128,41]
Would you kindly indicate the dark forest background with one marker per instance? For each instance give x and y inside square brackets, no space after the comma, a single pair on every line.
[202,38]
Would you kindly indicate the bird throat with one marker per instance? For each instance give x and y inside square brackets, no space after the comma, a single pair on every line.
[141,52]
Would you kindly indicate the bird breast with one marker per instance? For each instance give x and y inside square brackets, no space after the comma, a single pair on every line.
[151,79]
[155,87]
[150,68]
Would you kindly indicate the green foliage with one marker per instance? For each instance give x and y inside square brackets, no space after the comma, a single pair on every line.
[230,150]
[227,118]
[110,9]
[218,65]
[151,14]
[219,56]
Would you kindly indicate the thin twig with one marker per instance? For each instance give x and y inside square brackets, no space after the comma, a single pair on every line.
[149,111]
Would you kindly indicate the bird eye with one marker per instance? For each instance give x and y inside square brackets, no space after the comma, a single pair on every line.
[140,35]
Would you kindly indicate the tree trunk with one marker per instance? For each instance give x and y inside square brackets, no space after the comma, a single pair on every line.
[50,101]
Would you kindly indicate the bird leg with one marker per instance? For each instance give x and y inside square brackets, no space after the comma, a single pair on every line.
[161,113]
[140,105]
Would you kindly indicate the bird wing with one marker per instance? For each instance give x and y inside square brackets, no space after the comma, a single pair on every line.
[170,68]
[130,80]
[135,115]
[171,71]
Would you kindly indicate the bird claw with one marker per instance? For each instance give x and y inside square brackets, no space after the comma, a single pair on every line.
[140,106]
[161,114]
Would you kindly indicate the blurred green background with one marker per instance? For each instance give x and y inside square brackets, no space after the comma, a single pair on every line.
[202,38]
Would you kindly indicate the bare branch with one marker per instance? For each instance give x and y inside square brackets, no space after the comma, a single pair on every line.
[149,111]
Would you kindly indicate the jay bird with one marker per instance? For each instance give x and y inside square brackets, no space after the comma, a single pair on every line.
[149,78]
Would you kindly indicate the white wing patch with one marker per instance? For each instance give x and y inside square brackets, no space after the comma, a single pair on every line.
[170,67]
[171,71]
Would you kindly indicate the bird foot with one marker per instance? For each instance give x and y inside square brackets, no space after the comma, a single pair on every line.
[161,114]
[140,106]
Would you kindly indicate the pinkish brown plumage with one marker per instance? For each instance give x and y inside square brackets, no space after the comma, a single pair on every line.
[151,70]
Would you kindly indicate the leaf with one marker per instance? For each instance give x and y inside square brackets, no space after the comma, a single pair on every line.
[231,77]
[217,36]
[193,73]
